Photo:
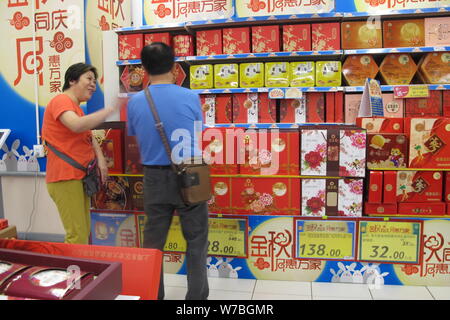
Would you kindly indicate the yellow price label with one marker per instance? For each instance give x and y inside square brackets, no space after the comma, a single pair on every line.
[226,237]
[416,91]
[389,241]
[327,240]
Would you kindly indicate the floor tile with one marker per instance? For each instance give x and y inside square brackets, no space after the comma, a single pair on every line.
[283,287]
[245,285]
[174,293]
[440,293]
[175,280]
[343,290]
[229,295]
[392,292]
[340,298]
[270,296]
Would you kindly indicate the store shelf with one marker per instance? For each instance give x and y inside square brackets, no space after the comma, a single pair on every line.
[408,169]
[266,89]
[298,54]
[424,11]
[397,50]
[386,88]
[333,16]
[269,125]
[265,55]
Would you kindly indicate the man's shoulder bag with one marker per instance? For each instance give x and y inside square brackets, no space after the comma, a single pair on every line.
[91,181]
[193,174]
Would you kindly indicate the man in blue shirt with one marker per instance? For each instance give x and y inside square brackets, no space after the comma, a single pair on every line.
[180,112]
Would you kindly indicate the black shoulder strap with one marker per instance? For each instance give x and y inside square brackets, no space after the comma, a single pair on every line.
[66,158]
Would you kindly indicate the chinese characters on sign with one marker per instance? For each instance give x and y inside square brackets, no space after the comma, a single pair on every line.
[56,46]
[170,11]
[251,8]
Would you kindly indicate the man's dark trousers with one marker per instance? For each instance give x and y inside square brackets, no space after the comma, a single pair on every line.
[161,199]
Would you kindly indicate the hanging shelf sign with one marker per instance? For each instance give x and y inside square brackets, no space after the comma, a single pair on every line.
[180,11]
[256,8]
[369,6]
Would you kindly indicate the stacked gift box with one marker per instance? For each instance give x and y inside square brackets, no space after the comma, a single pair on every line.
[313,107]
[399,143]
[330,36]
[261,170]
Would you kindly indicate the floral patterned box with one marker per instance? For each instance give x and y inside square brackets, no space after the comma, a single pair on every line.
[332,197]
[266,39]
[271,152]
[183,45]
[266,196]
[333,151]
[236,40]
[164,37]
[220,202]
[326,36]
[297,37]
[209,42]
[387,150]
[219,149]
[429,145]
[418,186]
[130,46]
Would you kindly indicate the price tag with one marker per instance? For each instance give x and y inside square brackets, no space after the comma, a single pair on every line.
[326,240]
[226,237]
[418,91]
[389,241]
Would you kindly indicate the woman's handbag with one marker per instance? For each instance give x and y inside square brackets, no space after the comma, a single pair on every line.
[193,174]
[91,181]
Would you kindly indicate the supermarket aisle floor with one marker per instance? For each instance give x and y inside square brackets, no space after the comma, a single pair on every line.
[250,289]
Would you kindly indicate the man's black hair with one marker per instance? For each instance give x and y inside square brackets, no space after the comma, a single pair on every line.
[157,58]
[75,71]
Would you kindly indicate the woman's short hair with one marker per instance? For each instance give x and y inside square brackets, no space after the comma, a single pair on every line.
[157,58]
[75,71]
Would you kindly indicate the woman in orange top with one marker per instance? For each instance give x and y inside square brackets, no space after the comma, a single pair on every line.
[67,128]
